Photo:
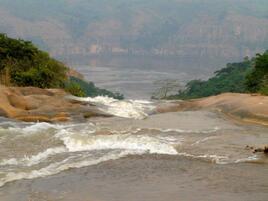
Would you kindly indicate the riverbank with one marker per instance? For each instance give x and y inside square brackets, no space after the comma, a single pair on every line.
[247,108]
[51,105]
[33,104]
[157,156]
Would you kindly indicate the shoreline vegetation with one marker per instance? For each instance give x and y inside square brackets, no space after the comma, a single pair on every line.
[22,64]
[248,76]
[34,88]
[242,108]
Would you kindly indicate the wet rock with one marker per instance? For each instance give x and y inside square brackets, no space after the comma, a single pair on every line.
[241,107]
[263,149]
[43,105]
[36,118]
[2,113]
[266,150]
[17,101]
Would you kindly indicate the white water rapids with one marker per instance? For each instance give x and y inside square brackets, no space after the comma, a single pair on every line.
[137,109]
[32,150]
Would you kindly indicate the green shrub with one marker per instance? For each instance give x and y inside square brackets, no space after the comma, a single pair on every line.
[28,66]
[257,80]
[243,77]
[74,89]
[90,90]
[232,78]
[22,64]
[264,90]
[264,86]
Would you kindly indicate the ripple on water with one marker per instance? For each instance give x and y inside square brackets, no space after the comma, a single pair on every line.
[32,150]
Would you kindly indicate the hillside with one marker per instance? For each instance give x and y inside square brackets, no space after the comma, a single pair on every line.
[22,64]
[248,76]
[227,29]
[246,108]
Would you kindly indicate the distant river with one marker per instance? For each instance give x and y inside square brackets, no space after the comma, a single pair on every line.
[135,77]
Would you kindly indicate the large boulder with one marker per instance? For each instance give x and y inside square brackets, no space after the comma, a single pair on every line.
[43,105]
[251,108]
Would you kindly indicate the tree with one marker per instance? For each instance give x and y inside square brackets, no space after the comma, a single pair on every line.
[23,64]
[229,79]
[75,89]
[257,80]
[75,86]
[165,88]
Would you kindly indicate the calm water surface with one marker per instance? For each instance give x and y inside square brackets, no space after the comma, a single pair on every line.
[136,77]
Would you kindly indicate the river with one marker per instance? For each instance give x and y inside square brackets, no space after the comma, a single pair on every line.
[137,77]
[137,155]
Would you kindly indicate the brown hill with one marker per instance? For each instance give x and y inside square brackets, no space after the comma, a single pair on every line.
[228,29]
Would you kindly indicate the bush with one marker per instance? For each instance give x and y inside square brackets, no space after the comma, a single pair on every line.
[232,78]
[74,89]
[243,77]
[90,90]
[28,66]
[22,64]
[257,80]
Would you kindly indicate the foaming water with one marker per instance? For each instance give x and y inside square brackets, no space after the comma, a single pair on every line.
[127,142]
[35,159]
[79,146]
[32,150]
[137,109]
[58,167]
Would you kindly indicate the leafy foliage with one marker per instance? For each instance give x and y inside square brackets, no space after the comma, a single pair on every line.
[74,89]
[257,81]
[28,66]
[89,89]
[22,64]
[232,78]
[247,76]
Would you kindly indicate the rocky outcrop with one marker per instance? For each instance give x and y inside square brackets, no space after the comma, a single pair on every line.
[263,149]
[250,108]
[44,105]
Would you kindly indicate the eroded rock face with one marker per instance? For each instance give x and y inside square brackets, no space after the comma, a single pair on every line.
[250,108]
[44,105]
[263,149]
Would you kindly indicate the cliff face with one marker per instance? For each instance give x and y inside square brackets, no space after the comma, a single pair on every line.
[208,28]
